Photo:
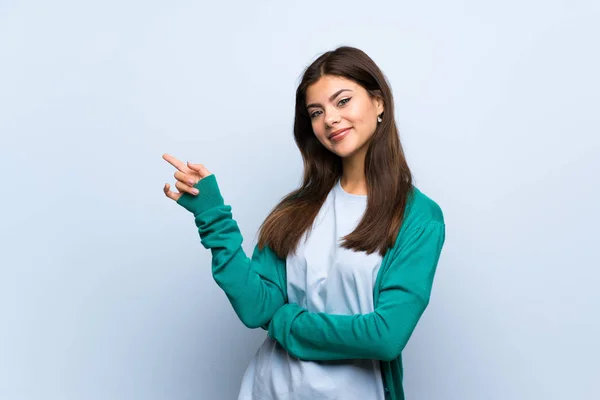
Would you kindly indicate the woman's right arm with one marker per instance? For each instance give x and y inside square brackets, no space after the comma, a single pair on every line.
[255,287]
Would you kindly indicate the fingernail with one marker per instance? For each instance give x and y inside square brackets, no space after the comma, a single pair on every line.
[191,182]
[195,191]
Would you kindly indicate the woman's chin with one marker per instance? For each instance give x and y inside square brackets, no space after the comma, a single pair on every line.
[344,153]
[343,148]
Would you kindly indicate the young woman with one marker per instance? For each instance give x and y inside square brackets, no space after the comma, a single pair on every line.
[344,265]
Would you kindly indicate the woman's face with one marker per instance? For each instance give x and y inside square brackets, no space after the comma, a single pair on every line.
[337,104]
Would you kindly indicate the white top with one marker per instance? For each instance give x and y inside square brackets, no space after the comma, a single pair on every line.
[322,277]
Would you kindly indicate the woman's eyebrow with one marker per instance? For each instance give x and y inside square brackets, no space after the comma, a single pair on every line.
[333,96]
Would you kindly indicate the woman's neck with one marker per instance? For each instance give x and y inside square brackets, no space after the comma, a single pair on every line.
[353,178]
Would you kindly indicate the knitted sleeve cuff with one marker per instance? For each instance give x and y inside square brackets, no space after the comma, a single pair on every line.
[209,196]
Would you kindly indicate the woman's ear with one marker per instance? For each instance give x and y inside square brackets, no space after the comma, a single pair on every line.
[379,105]
[378,101]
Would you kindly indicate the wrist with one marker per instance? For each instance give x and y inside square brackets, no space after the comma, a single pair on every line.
[209,196]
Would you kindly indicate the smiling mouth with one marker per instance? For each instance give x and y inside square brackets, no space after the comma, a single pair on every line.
[337,133]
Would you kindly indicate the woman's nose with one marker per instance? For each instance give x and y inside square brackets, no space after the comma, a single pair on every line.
[332,118]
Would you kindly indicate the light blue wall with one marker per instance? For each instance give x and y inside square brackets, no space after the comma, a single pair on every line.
[105,290]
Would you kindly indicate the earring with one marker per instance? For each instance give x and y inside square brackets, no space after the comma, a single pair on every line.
[379,118]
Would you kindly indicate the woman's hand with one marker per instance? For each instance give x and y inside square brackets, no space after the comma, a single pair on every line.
[187,176]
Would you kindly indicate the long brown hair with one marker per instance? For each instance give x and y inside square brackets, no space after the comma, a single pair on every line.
[389,180]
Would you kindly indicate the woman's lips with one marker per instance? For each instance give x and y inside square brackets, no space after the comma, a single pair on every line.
[339,136]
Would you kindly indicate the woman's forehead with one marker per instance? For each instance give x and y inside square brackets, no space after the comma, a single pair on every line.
[328,85]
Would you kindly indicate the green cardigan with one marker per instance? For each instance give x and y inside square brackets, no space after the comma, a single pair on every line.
[256,287]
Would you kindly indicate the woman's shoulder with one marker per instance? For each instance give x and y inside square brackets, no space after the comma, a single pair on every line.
[421,210]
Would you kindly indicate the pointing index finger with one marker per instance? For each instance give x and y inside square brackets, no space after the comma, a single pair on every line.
[175,162]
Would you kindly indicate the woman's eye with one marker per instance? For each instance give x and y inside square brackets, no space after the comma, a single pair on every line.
[341,103]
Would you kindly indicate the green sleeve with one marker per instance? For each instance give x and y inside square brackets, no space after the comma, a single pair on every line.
[381,334]
[255,287]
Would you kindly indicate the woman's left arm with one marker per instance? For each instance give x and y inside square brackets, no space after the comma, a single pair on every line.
[381,334]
